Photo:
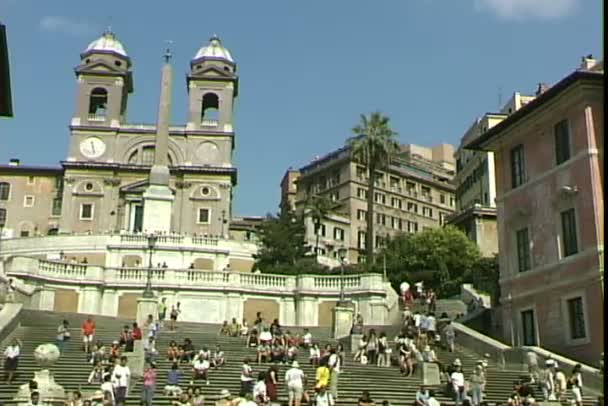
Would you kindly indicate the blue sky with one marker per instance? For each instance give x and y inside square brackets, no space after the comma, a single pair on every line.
[307,68]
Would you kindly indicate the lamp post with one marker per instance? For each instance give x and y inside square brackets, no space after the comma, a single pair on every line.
[148,289]
[342,255]
[510,301]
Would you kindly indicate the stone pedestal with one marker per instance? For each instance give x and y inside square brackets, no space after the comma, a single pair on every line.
[431,375]
[145,307]
[136,360]
[50,392]
[342,320]
[158,201]
[354,343]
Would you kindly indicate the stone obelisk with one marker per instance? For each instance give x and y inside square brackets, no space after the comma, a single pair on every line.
[158,197]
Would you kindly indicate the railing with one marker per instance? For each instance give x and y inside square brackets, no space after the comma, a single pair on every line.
[78,274]
[62,269]
[96,117]
[172,239]
[133,238]
[210,123]
[333,283]
[205,240]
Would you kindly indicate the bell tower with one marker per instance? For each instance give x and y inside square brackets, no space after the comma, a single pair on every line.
[212,89]
[104,83]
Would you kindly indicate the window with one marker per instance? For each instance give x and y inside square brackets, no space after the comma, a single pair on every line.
[361,240]
[31,180]
[518,176]
[210,109]
[413,207]
[361,172]
[576,318]
[569,232]
[528,326]
[380,198]
[427,211]
[86,211]
[412,227]
[338,234]
[56,209]
[2,219]
[361,214]
[395,202]
[321,230]
[28,201]
[5,190]
[441,198]
[361,193]
[442,217]
[523,249]
[335,196]
[394,182]
[562,142]
[98,102]
[380,219]
[411,187]
[204,215]
[147,155]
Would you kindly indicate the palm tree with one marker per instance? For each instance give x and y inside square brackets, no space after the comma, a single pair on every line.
[319,207]
[374,145]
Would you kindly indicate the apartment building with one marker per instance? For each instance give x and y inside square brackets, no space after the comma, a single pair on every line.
[475,181]
[415,193]
[550,209]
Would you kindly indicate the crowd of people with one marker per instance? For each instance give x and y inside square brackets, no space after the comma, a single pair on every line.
[277,348]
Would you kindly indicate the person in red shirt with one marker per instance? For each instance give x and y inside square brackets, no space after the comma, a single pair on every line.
[136,332]
[88,333]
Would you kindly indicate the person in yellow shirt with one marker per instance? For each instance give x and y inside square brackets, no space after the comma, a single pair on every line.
[323,374]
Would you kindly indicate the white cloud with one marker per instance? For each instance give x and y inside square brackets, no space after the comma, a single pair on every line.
[528,9]
[65,25]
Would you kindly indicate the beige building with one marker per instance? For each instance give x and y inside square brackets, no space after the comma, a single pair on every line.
[106,172]
[415,193]
[475,181]
[549,159]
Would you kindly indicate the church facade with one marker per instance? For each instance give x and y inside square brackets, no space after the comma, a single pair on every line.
[101,184]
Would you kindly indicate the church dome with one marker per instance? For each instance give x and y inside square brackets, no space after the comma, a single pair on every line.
[215,50]
[107,43]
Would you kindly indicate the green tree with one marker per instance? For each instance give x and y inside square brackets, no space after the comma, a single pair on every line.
[318,208]
[442,258]
[374,145]
[282,240]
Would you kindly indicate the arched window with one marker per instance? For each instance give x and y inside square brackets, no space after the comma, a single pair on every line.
[5,190]
[98,101]
[2,220]
[53,231]
[145,156]
[210,108]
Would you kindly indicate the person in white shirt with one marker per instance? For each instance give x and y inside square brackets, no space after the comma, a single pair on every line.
[120,378]
[260,394]
[11,359]
[431,401]
[107,387]
[323,398]
[576,380]
[315,355]
[307,338]
[532,361]
[294,378]
[334,363]
[246,377]
[457,380]
[201,365]
[219,358]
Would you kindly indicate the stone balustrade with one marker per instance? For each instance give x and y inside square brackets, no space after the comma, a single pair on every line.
[83,274]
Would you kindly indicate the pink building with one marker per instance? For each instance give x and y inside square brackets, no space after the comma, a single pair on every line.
[549,175]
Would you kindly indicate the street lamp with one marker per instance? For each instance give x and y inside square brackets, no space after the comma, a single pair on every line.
[510,302]
[148,289]
[342,256]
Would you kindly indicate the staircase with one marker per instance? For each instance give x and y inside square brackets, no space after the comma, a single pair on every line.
[72,371]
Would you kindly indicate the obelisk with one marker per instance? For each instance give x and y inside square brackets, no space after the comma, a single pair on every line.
[158,197]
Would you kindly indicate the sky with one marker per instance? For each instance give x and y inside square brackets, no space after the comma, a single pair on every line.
[307,69]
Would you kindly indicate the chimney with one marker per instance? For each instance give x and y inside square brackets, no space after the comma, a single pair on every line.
[14,162]
[587,62]
[542,88]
